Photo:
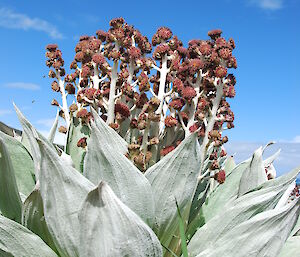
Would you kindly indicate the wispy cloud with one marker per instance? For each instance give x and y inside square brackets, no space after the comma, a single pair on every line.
[267,4]
[22,85]
[5,112]
[296,139]
[12,20]
[45,122]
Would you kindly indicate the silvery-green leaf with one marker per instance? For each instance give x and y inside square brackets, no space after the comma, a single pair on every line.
[271,159]
[53,129]
[10,201]
[22,163]
[33,216]
[237,211]
[110,228]
[63,190]
[76,131]
[102,162]
[229,165]
[261,236]
[218,198]
[254,175]
[291,247]
[30,133]
[18,241]
[174,177]
[109,135]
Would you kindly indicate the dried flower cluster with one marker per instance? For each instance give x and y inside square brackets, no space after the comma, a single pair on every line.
[152,93]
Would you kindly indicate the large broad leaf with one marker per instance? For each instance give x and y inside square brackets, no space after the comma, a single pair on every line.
[261,236]
[102,162]
[291,247]
[63,191]
[22,163]
[254,175]
[109,135]
[238,211]
[10,201]
[30,134]
[33,216]
[76,131]
[110,228]
[174,178]
[18,241]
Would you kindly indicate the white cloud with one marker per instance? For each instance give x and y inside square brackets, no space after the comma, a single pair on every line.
[22,85]
[5,112]
[45,122]
[296,139]
[267,4]
[12,20]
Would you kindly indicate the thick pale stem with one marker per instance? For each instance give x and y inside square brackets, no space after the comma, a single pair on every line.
[210,122]
[112,92]
[64,100]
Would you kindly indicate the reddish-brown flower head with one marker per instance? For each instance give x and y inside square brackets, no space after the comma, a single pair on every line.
[188,93]
[177,104]
[82,142]
[123,109]
[83,113]
[170,122]
[214,34]
[51,47]
[220,72]
[220,176]
[134,52]
[164,33]
[166,150]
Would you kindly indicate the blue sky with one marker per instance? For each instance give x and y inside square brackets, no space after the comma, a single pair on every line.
[266,33]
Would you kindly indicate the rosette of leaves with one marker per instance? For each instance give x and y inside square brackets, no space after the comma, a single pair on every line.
[110,208]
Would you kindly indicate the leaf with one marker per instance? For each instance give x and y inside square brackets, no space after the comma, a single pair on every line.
[229,165]
[109,227]
[53,129]
[291,247]
[201,212]
[254,175]
[22,163]
[63,190]
[174,177]
[272,158]
[76,131]
[182,233]
[10,201]
[237,211]
[263,235]
[102,162]
[109,135]
[31,134]
[18,241]
[33,217]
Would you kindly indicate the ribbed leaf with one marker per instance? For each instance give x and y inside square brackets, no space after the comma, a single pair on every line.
[18,241]
[174,177]
[10,201]
[254,175]
[33,217]
[102,162]
[262,236]
[110,228]
[238,211]
[63,190]
[76,131]
[22,163]
[53,129]
[291,247]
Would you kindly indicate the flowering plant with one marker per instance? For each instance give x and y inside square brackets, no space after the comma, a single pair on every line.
[143,169]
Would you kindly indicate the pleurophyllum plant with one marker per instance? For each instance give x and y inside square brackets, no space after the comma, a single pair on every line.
[143,169]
